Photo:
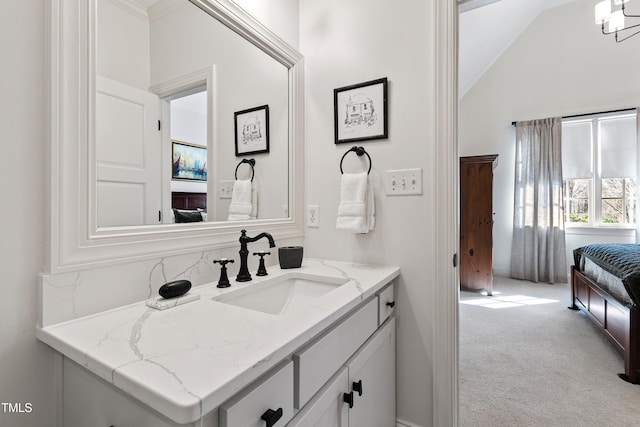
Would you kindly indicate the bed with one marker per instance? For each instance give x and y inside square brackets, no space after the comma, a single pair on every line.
[188,206]
[605,283]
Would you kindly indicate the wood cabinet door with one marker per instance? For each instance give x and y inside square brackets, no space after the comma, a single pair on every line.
[476,223]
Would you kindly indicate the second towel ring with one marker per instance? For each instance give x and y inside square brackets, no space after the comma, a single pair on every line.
[360,151]
[251,162]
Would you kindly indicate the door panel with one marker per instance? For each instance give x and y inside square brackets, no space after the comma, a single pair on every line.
[128,154]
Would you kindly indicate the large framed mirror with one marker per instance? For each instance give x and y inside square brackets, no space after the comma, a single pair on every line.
[174,124]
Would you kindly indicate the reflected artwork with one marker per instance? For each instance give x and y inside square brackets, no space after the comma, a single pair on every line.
[189,161]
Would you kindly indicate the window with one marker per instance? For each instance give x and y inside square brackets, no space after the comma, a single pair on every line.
[599,169]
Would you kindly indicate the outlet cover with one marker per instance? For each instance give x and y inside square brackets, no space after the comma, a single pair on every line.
[403,182]
[313,216]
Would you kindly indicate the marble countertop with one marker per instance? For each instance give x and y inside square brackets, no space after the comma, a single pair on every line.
[187,360]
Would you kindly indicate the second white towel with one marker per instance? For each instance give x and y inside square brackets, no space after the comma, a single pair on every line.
[356,212]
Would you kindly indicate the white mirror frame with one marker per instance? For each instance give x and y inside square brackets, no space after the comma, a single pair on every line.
[74,241]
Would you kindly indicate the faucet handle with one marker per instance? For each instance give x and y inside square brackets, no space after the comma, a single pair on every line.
[262,270]
[223,282]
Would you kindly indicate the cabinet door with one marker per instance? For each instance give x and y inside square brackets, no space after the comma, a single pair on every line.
[372,380]
[316,363]
[327,408]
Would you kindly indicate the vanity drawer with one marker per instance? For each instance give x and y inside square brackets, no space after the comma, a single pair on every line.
[274,392]
[386,303]
[317,362]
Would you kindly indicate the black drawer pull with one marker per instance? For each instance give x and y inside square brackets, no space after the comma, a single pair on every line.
[348,398]
[271,417]
[391,304]
[357,386]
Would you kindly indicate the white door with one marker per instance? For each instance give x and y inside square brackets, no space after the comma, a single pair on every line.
[128,155]
[372,380]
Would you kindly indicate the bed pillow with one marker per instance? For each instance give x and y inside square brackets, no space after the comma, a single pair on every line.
[182,215]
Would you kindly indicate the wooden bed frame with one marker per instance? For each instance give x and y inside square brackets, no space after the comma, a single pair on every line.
[187,200]
[618,322]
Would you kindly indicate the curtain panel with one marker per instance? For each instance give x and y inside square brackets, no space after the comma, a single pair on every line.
[538,246]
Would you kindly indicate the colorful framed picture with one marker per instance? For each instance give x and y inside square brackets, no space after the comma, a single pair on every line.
[252,130]
[189,161]
[360,111]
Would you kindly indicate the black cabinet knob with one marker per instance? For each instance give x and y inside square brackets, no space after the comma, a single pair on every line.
[391,304]
[271,417]
[357,386]
[348,398]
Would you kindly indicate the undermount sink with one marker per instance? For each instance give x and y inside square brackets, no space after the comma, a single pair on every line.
[277,295]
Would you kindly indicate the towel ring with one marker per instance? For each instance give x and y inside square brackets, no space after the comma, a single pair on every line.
[360,151]
[251,162]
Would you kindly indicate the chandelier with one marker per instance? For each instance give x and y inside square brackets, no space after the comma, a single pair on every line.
[615,19]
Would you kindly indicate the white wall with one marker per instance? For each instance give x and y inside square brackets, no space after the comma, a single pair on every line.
[284,22]
[189,125]
[245,77]
[26,369]
[123,45]
[356,41]
[561,65]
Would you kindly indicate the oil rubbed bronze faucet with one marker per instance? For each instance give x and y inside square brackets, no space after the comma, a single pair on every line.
[243,274]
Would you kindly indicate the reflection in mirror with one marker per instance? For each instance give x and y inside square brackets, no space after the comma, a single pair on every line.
[149,95]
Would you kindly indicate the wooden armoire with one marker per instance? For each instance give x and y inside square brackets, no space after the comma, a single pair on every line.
[476,222]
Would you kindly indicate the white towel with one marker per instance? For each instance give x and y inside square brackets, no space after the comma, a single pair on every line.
[240,207]
[356,212]
[254,200]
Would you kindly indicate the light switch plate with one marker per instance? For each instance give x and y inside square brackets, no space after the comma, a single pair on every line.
[403,182]
[226,188]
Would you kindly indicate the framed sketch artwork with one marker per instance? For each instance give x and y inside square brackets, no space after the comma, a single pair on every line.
[252,130]
[360,111]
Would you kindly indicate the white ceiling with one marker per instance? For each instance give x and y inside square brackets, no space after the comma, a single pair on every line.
[487,28]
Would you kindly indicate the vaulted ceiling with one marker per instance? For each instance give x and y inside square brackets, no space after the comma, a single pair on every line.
[487,28]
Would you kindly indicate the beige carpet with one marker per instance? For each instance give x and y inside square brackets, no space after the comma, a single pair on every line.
[527,360]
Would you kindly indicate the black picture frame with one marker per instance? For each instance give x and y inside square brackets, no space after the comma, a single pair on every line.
[251,129]
[360,112]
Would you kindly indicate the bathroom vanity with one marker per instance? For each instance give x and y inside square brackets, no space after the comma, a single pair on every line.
[296,347]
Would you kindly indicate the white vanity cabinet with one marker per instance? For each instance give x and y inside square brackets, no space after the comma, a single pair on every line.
[372,380]
[89,401]
[343,376]
[268,402]
[362,393]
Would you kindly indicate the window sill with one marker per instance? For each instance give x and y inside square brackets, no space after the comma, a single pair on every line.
[601,231]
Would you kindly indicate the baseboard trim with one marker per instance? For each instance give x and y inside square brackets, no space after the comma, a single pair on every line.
[404,423]
[502,272]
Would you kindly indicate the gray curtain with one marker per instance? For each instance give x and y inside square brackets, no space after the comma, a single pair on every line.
[538,248]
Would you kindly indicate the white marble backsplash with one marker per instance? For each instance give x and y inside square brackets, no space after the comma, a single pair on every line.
[68,296]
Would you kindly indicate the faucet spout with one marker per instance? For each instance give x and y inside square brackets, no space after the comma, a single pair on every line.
[243,273]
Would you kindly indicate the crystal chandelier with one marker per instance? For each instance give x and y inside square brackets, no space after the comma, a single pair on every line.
[615,19]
